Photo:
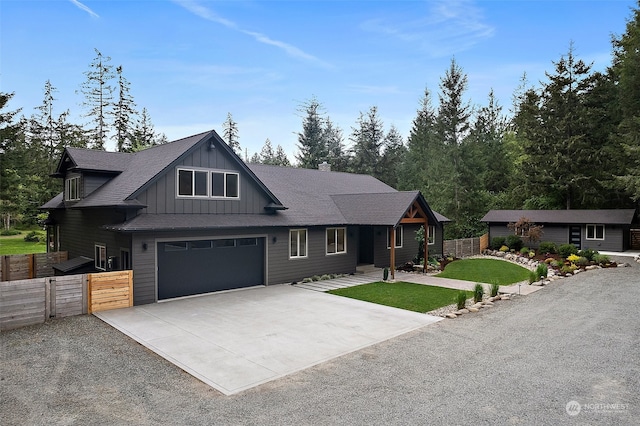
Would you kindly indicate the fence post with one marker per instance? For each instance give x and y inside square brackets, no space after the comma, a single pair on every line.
[5,268]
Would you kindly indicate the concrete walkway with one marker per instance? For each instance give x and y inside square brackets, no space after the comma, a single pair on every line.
[235,340]
[352,280]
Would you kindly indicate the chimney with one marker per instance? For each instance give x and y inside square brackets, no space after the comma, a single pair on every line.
[324,167]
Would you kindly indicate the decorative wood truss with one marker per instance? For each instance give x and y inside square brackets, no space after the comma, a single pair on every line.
[414,214]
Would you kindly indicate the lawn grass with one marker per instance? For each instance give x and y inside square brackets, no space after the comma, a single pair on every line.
[16,244]
[485,271]
[412,297]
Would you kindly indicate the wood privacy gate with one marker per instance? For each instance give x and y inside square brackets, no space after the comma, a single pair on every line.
[27,302]
[635,239]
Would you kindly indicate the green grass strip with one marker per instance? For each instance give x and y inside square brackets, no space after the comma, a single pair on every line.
[412,297]
[485,271]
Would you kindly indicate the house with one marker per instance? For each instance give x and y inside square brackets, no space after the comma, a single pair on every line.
[601,230]
[190,217]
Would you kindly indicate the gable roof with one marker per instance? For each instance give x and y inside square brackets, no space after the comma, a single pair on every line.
[605,217]
[136,171]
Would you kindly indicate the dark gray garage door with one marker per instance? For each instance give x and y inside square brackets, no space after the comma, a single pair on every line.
[195,267]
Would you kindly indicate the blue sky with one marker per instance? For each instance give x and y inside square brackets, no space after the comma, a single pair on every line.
[190,62]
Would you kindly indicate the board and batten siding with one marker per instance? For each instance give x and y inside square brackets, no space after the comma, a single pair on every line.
[81,229]
[382,254]
[91,182]
[161,196]
[614,236]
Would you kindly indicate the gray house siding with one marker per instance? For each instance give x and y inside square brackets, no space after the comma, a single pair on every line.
[559,234]
[408,251]
[80,230]
[161,197]
[92,182]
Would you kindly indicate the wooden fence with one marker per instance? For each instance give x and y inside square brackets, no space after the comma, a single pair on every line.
[465,247]
[33,301]
[27,266]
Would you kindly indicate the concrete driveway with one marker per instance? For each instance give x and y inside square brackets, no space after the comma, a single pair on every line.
[236,340]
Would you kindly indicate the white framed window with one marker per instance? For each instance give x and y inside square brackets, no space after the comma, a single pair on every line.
[72,188]
[204,183]
[336,240]
[431,234]
[298,243]
[595,232]
[399,237]
[225,185]
[100,257]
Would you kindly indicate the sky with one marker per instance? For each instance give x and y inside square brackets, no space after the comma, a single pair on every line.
[191,62]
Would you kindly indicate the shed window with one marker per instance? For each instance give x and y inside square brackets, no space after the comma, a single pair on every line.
[336,240]
[595,232]
[399,237]
[297,243]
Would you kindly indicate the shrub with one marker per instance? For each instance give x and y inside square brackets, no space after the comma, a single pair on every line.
[556,263]
[461,299]
[325,277]
[524,251]
[504,249]
[532,254]
[573,258]
[565,250]
[495,289]
[307,280]
[582,261]
[9,232]
[588,253]
[533,277]
[315,278]
[548,247]
[385,274]
[601,259]
[542,270]
[514,242]
[497,242]
[478,292]
[32,237]
[568,268]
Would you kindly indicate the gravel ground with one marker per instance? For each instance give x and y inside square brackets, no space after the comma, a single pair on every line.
[519,362]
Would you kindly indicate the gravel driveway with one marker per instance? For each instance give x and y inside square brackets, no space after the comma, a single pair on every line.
[520,362]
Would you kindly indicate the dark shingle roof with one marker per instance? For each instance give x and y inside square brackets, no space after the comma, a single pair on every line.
[95,160]
[605,217]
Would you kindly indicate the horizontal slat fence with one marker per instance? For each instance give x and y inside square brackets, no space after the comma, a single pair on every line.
[110,290]
[33,301]
[466,247]
[26,266]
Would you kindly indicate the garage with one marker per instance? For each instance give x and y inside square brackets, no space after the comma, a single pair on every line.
[186,268]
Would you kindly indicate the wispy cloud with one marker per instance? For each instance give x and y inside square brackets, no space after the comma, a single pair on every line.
[206,13]
[448,27]
[85,8]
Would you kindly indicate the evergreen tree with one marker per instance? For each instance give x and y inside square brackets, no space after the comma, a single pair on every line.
[123,113]
[230,134]
[337,157]
[267,156]
[144,135]
[368,139]
[312,142]
[13,158]
[625,72]
[393,157]
[280,158]
[98,94]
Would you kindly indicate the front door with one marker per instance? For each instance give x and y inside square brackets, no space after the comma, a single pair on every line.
[365,245]
[575,233]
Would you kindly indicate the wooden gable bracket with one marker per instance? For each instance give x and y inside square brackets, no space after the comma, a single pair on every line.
[414,214]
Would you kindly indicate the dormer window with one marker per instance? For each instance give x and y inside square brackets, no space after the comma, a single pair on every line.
[204,183]
[72,188]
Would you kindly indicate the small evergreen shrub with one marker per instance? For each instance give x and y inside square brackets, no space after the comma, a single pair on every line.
[385,274]
[566,250]
[556,263]
[568,268]
[524,251]
[532,254]
[478,292]
[573,258]
[582,261]
[548,247]
[9,232]
[315,278]
[601,259]
[325,277]
[495,289]
[588,253]
[514,242]
[461,299]
[32,237]
[504,249]
[497,242]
